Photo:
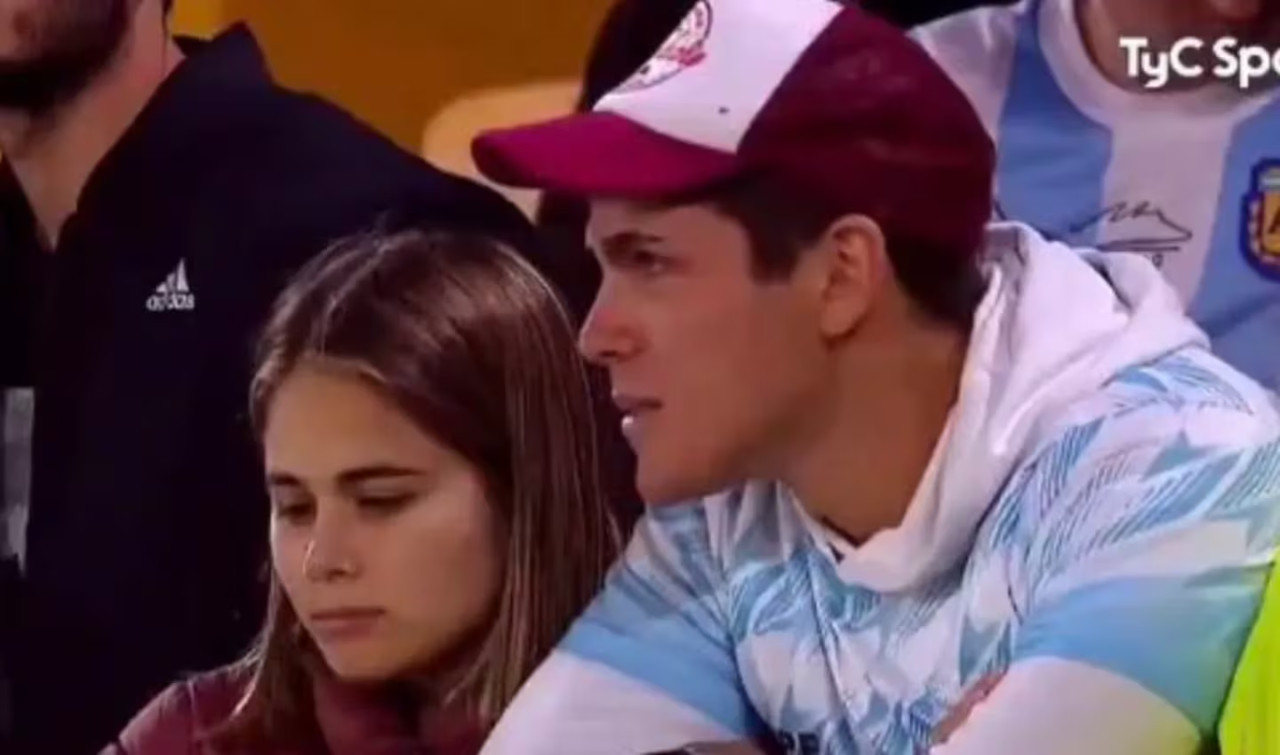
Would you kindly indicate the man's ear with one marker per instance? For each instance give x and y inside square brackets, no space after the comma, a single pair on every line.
[854,265]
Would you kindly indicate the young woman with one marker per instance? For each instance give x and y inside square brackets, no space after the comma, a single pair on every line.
[437,520]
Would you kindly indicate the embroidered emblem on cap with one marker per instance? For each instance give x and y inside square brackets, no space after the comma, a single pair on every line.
[684,49]
[1261,224]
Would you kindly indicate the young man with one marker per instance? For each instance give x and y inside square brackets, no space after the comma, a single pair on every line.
[910,477]
[154,198]
[1187,173]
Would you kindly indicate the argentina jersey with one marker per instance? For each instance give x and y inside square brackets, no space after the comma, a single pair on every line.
[1093,534]
[1190,179]
[739,610]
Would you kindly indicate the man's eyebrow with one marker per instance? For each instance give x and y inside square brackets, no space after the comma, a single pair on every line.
[624,242]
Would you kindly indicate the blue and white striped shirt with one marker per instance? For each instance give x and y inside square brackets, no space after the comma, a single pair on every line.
[1189,178]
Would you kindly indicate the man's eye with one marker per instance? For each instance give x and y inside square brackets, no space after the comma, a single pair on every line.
[647,262]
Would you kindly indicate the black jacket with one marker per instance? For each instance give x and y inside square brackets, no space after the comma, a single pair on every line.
[146,542]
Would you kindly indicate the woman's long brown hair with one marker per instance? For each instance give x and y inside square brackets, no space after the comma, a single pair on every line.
[466,339]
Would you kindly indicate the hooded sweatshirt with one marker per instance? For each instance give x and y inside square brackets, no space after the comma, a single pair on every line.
[1093,533]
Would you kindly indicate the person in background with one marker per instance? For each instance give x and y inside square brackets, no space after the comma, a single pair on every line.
[154,195]
[908,13]
[437,519]
[1187,174]
[1249,723]
[900,463]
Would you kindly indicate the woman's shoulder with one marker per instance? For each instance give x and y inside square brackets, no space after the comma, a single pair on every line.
[175,722]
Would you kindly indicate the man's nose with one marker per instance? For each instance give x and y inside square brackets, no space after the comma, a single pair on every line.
[607,337]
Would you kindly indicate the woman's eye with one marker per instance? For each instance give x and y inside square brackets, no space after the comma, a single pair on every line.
[295,512]
[385,503]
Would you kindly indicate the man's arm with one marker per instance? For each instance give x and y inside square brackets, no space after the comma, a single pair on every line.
[1144,587]
[648,668]
[1057,707]
[976,48]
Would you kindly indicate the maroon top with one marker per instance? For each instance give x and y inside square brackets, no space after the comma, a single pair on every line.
[352,722]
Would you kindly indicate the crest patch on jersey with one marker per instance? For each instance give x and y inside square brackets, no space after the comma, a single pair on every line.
[1261,223]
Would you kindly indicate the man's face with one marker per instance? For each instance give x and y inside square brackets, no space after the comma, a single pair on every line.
[50,49]
[1252,21]
[714,371]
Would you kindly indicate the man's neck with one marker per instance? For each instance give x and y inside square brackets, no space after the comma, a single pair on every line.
[861,468]
[1101,32]
[1103,23]
[53,154]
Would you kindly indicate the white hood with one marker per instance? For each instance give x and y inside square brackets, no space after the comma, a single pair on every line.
[1055,325]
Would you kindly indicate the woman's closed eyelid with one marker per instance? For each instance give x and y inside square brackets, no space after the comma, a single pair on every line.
[293,508]
[385,501]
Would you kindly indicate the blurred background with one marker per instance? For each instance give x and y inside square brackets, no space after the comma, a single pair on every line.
[429,73]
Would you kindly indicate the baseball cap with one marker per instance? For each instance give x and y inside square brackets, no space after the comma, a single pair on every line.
[820,96]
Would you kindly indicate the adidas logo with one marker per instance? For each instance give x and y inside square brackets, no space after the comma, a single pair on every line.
[174,293]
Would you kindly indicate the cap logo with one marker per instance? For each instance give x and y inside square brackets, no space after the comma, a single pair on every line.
[684,49]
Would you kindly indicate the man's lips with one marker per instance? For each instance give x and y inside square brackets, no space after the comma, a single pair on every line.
[632,404]
[634,409]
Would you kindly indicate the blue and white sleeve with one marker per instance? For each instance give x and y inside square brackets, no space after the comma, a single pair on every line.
[648,667]
[1143,577]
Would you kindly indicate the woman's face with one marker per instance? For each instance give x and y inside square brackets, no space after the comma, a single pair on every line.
[382,538]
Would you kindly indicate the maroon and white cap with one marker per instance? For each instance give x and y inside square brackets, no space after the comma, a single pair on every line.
[820,96]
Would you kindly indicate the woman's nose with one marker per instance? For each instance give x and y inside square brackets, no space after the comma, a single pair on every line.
[329,556]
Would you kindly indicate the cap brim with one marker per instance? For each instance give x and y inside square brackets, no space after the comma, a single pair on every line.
[598,155]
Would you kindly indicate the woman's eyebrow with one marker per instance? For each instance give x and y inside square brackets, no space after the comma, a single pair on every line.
[358,475]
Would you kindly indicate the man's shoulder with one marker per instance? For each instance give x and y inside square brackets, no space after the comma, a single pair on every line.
[287,126]
[750,525]
[986,29]
[299,173]
[302,153]
[1176,441]
[1189,393]
[976,48]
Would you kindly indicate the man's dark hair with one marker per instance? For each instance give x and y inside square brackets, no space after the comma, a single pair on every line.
[168,6]
[781,223]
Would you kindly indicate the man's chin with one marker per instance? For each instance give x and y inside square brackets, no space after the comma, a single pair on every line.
[670,488]
[19,93]
[34,88]
[75,53]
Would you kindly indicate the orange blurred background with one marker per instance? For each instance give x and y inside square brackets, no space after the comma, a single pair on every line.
[397,63]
